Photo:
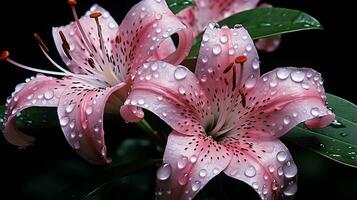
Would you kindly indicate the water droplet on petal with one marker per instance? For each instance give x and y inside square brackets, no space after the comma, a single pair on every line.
[287,120]
[215,171]
[255,64]
[305,85]
[182,90]
[265,189]
[216,49]
[249,47]
[64,121]
[274,185]
[182,162]
[281,156]
[49,94]
[203,173]
[250,171]
[255,185]
[244,37]
[164,172]
[290,190]
[280,171]
[289,169]
[205,37]
[180,73]
[196,186]
[203,78]
[315,112]
[183,179]
[223,39]
[297,76]
[193,159]
[77,145]
[282,73]
[70,108]
[271,168]
[89,110]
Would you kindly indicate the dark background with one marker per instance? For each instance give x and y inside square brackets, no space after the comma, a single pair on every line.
[50,166]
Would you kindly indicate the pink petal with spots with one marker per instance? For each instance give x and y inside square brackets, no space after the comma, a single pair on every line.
[79,51]
[269,44]
[220,47]
[80,112]
[266,166]
[147,25]
[189,163]
[171,92]
[213,10]
[41,91]
[280,100]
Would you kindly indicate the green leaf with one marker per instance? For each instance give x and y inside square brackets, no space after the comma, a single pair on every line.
[177,5]
[337,141]
[85,189]
[265,22]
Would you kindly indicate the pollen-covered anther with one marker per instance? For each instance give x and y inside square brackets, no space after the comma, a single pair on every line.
[4,55]
[241,59]
[64,40]
[95,15]
[40,42]
[72,2]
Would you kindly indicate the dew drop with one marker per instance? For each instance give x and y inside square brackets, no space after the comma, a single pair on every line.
[265,189]
[255,64]
[164,172]
[180,73]
[281,156]
[183,179]
[287,120]
[89,110]
[305,85]
[203,78]
[223,39]
[280,171]
[49,94]
[182,90]
[250,171]
[274,185]
[289,169]
[255,185]
[196,186]
[297,76]
[250,83]
[231,51]
[77,145]
[282,73]
[205,38]
[70,108]
[271,168]
[248,47]
[343,134]
[193,159]
[273,83]
[315,111]
[203,173]
[215,171]
[182,162]
[204,59]
[216,49]
[64,121]
[290,190]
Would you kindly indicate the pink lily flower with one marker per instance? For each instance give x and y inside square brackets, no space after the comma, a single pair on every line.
[216,10]
[226,117]
[101,57]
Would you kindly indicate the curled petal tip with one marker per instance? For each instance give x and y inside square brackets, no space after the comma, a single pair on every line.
[4,55]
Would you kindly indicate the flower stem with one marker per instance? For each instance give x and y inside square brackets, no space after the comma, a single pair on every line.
[153,134]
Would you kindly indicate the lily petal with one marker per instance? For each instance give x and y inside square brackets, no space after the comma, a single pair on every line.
[192,161]
[80,113]
[145,27]
[41,91]
[266,166]
[171,92]
[78,51]
[213,10]
[280,100]
[217,69]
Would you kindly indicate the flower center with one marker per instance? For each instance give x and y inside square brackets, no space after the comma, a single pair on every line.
[220,124]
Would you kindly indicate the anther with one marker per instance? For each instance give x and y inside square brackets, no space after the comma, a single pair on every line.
[95,15]
[241,59]
[242,94]
[66,51]
[64,40]
[4,55]
[72,2]
[41,43]
[228,68]
[234,81]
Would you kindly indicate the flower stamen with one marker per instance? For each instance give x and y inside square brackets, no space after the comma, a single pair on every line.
[41,43]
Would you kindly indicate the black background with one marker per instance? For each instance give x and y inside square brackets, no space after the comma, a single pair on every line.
[38,172]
